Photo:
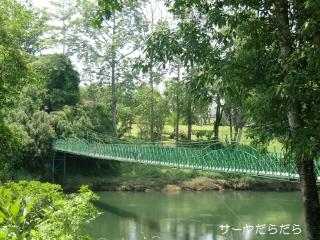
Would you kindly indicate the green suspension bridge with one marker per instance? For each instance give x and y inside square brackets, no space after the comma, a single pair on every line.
[227,159]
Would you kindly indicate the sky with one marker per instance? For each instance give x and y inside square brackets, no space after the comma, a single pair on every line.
[159,9]
[41,3]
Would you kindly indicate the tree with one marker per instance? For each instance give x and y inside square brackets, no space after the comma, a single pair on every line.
[90,121]
[151,19]
[187,44]
[62,15]
[298,45]
[101,94]
[19,30]
[105,49]
[275,45]
[142,106]
[24,24]
[61,80]
[175,97]
[204,89]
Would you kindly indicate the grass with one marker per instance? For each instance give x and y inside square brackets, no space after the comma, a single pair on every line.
[168,129]
[224,133]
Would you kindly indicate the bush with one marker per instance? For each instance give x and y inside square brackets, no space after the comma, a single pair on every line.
[182,136]
[13,144]
[34,210]
[202,133]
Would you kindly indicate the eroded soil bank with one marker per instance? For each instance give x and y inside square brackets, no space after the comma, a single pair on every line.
[201,183]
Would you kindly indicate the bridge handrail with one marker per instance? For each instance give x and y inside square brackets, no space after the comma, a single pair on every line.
[226,159]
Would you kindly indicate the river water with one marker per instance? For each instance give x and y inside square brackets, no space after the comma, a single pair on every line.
[199,216]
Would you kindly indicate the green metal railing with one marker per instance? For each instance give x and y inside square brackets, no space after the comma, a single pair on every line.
[227,159]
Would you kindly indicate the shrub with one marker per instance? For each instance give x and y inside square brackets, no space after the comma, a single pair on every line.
[13,144]
[202,133]
[34,210]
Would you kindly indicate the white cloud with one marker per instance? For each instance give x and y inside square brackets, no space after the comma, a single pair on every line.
[41,3]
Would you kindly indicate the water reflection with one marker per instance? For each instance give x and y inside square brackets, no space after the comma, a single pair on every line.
[194,216]
[107,208]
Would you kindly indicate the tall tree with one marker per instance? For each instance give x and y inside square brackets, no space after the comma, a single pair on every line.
[104,49]
[299,107]
[62,16]
[174,93]
[152,15]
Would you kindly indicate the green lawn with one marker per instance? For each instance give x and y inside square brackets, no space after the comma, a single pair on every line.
[224,133]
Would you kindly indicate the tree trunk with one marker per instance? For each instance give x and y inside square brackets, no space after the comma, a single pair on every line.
[310,198]
[239,135]
[151,107]
[63,31]
[216,130]
[114,97]
[177,107]
[217,122]
[230,123]
[189,118]
[151,85]
[177,120]
[308,179]
[236,131]
[113,82]
[305,165]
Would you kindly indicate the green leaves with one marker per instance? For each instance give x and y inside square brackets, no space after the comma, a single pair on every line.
[23,25]
[18,35]
[142,111]
[106,9]
[60,79]
[3,235]
[36,211]
[15,208]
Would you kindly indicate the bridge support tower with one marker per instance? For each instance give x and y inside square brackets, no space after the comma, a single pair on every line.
[59,168]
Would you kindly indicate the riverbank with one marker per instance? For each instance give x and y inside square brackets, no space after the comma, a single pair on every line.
[172,184]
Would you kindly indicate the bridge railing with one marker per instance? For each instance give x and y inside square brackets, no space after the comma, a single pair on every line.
[233,160]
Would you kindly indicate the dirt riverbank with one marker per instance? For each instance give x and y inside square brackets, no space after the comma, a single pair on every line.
[147,184]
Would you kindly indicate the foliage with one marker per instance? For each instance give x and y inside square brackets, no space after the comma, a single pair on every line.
[98,94]
[141,98]
[202,133]
[84,121]
[12,149]
[36,126]
[20,28]
[60,28]
[61,80]
[39,128]
[175,96]
[12,65]
[105,10]
[34,210]
[23,24]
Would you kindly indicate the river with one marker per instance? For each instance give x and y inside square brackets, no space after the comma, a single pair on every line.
[199,216]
